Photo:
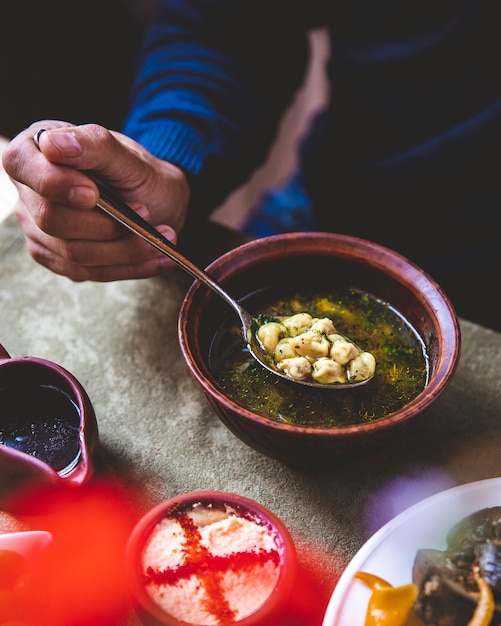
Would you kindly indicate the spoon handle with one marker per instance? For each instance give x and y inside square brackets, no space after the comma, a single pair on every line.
[123,213]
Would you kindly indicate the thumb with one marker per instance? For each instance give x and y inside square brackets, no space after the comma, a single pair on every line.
[93,148]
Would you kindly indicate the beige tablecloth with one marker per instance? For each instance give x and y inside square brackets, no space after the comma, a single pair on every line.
[158,430]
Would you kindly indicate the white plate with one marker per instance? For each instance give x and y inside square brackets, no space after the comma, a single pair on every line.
[390,552]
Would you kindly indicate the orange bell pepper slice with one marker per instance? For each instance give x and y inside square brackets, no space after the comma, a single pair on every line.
[485,605]
[388,605]
[371,580]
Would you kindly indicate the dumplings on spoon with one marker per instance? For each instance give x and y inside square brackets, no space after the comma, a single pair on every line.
[306,347]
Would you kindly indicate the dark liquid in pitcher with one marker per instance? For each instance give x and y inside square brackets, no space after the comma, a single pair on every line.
[42,421]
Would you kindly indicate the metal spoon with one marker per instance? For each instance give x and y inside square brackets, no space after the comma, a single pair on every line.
[123,213]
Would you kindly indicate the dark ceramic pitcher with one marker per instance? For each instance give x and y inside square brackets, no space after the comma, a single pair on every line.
[48,428]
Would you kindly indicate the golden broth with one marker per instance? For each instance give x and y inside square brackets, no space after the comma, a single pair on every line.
[402,366]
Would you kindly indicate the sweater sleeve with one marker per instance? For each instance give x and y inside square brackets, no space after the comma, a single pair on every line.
[213,80]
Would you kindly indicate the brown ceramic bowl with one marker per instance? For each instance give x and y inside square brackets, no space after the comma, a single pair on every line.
[264,264]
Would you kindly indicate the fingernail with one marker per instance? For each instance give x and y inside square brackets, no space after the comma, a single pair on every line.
[82,196]
[143,212]
[167,232]
[66,142]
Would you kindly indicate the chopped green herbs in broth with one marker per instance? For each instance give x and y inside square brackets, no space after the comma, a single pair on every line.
[402,366]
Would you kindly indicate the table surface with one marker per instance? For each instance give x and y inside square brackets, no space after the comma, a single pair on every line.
[158,430]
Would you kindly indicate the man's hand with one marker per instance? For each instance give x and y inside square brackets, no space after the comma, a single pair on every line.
[56,209]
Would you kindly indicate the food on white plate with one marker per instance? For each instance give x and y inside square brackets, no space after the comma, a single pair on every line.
[457,586]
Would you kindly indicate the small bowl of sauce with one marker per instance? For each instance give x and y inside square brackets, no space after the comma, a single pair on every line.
[48,428]
[210,558]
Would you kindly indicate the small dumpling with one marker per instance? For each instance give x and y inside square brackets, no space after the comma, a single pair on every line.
[335,337]
[323,325]
[343,351]
[362,367]
[312,344]
[298,367]
[327,371]
[269,335]
[297,324]
[284,350]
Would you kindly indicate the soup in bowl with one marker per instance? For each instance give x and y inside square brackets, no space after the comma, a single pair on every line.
[378,299]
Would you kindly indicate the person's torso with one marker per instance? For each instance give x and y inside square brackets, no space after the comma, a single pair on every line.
[414,118]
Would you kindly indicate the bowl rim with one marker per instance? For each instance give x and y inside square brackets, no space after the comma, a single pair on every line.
[436,302]
[151,518]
